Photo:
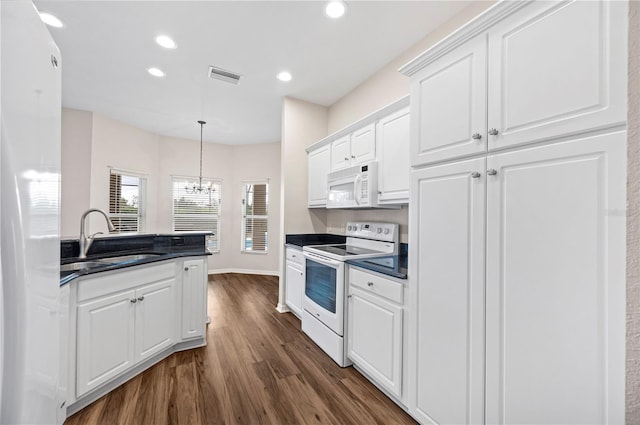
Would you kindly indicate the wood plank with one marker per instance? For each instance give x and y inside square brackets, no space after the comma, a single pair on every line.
[258,368]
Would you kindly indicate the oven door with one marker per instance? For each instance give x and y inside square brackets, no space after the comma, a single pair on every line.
[324,291]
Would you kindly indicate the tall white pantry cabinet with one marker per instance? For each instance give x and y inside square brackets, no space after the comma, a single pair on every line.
[517,218]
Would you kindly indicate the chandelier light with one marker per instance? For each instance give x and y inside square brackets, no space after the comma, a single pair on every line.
[192,188]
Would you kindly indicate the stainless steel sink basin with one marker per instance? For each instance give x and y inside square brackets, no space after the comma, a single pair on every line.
[130,257]
[82,265]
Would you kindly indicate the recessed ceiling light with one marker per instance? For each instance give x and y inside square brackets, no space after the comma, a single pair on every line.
[335,9]
[166,42]
[51,20]
[156,72]
[284,76]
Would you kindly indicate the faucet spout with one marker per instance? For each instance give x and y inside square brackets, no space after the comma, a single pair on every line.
[86,241]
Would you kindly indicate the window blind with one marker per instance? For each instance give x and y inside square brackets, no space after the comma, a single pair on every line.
[255,217]
[197,211]
[126,202]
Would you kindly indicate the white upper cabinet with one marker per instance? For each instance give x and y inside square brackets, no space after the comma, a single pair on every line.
[557,68]
[449,104]
[392,133]
[341,153]
[525,72]
[319,164]
[363,144]
[382,136]
[355,148]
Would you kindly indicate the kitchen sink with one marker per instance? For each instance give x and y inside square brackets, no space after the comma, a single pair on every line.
[82,265]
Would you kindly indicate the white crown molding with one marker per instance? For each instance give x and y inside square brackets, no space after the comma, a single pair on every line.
[369,119]
[471,29]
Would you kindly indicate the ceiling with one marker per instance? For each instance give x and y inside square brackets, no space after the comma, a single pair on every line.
[107,47]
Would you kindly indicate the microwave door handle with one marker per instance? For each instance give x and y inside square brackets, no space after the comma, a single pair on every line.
[356,196]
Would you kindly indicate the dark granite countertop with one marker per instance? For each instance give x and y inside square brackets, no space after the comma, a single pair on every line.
[304,239]
[392,265]
[142,249]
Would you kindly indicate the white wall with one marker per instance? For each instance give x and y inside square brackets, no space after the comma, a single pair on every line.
[92,143]
[303,124]
[77,128]
[633,220]
[124,147]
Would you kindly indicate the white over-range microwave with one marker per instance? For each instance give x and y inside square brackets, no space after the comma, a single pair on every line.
[354,187]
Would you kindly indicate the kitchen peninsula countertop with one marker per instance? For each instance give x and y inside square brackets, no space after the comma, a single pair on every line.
[142,249]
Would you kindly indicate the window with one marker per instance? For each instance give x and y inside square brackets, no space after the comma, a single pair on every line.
[255,200]
[197,211]
[126,201]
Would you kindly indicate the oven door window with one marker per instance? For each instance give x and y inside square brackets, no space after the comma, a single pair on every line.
[320,285]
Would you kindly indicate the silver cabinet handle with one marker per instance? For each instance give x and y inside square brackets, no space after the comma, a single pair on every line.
[476,136]
[492,172]
[186,269]
[370,284]
[346,158]
[141,298]
[475,175]
[293,255]
[493,132]
[353,157]
[133,301]
[301,273]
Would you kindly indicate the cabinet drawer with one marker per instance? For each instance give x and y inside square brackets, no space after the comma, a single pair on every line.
[295,256]
[376,285]
[118,280]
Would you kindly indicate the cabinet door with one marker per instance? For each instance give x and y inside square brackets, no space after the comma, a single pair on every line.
[105,341]
[556,283]
[449,104]
[557,68]
[341,153]
[446,337]
[374,340]
[319,162]
[294,287]
[363,145]
[194,299]
[393,158]
[155,318]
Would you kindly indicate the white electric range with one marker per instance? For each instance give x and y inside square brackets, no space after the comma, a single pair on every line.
[323,317]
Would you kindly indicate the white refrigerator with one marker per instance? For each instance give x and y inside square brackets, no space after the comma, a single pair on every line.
[32,326]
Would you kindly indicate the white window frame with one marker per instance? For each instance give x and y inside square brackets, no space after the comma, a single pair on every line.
[184,180]
[141,216]
[244,216]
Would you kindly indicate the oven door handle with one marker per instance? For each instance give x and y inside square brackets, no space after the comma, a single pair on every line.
[322,260]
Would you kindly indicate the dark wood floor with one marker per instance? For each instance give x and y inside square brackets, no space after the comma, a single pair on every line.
[258,368]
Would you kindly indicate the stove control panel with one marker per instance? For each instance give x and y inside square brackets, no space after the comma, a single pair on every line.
[388,232]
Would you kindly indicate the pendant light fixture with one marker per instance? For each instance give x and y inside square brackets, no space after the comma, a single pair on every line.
[192,188]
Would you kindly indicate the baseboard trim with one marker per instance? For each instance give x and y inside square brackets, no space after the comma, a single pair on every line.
[282,308]
[245,271]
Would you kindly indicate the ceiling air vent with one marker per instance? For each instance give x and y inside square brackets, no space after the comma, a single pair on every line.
[224,75]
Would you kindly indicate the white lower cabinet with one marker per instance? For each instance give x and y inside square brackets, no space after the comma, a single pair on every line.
[375,328]
[517,311]
[125,317]
[105,340]
[294,280]
[155,318]
[194,298]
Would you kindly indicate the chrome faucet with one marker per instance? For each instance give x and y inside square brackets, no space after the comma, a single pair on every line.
[86,241]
